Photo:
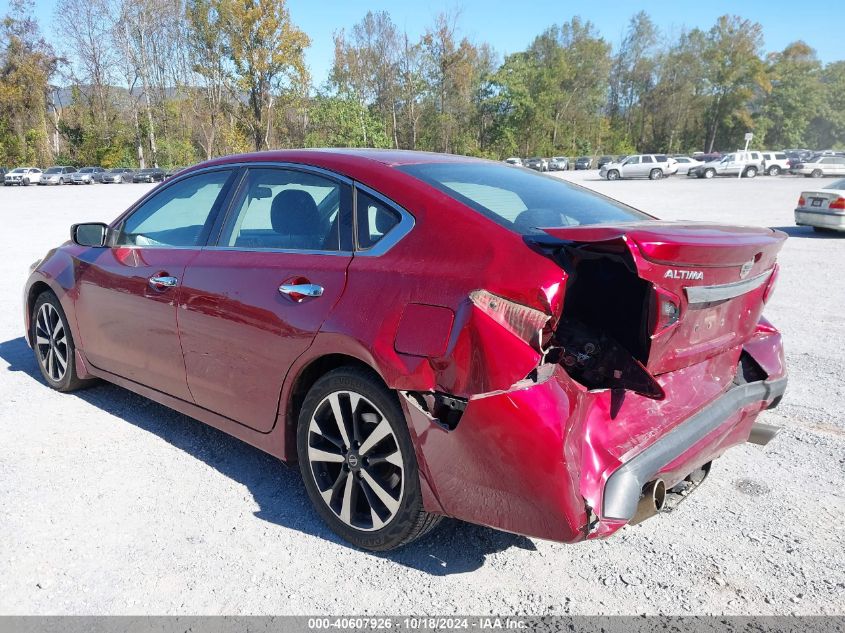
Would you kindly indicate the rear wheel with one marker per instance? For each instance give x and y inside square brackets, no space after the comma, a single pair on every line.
[709,173]
[751,172]
[816,173]
[655,174]
[358,463]
[52,342]
[774,170]
[613,175]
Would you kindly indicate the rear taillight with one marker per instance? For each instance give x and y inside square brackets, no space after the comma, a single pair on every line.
[801,201]
[770,284]
[522,321]
[666,310]
[839,203]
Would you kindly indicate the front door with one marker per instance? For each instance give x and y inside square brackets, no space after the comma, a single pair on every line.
[254,302]
[128,292]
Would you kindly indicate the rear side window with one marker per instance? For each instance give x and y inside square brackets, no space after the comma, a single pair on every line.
[374,218]
[648,159]
[780,156]
[662,158]
[521,200]
[285,209]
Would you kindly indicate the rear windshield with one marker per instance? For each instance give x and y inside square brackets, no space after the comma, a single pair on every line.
[521,200]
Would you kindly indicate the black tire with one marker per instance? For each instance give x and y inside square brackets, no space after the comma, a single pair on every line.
[774,170]
[816,173]
[25,182]
[408,521]
[709,173]
[60,344]
[655,174]
[751,172]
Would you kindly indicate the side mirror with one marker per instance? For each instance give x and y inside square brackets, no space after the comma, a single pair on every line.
[89,234]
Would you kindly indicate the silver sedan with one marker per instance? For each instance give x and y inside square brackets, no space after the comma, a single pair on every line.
[823,209]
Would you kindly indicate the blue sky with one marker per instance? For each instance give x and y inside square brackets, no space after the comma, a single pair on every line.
[510,25]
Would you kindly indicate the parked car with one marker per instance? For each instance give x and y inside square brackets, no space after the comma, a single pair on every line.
[775,163]
[820,165]
[22,176]
[583,162]
[797,156]
[151,174]
[604,160]
[652,166]
[823,209]
[3,172]
[559,163]
[504,391]
[88,176]
[57,176]
[118,175]
[537,164]
[749,164]
[685,163]
[516,162]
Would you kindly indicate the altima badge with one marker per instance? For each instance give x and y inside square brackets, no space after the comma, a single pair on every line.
[746,268]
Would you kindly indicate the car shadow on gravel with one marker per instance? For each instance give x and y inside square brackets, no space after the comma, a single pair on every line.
[807,231]
[454,547]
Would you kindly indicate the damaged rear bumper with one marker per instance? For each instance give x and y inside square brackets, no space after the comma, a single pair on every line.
[624,486]
[550,459]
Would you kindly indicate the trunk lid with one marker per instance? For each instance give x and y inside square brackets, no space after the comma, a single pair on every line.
[704,289]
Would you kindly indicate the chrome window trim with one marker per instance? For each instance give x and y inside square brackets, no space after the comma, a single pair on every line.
[393,236]
[387,242]
[708,294]
[290,251]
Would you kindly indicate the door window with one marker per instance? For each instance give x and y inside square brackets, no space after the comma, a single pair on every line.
[648,159]
[285,209]
[179,215]
[633,160]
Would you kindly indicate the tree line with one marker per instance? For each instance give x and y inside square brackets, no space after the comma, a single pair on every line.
[171,82]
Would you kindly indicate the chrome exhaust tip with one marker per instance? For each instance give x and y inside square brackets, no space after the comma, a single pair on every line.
[762,433]
[651,502]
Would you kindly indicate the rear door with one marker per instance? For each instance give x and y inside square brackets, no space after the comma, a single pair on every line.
[255,300]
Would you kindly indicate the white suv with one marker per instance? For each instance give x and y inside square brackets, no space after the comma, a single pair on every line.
[775,163]
[24,176]
[651,166]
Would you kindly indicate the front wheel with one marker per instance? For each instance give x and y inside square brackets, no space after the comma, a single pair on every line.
[52,342]
[655,174]
[613,175]
[709,173]
[817,173]
[25,182]
[358,463]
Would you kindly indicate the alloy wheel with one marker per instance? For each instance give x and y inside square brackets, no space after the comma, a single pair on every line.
[355,460]
[51,342]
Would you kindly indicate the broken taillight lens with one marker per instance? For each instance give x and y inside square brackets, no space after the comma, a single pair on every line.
[666,311]
[522,321]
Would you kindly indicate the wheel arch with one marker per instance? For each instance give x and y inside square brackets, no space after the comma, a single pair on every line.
[302,381]
[35,290]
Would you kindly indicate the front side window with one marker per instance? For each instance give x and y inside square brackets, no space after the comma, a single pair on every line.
[179,215]
[374,219]
[632,160]
[286,209]
[521,200]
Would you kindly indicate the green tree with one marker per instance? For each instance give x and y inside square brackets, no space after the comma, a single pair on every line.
[267,53]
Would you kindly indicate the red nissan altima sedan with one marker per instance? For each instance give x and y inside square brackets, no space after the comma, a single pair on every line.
[426,335]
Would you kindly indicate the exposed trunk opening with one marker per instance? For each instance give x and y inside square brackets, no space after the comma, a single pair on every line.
[602,338]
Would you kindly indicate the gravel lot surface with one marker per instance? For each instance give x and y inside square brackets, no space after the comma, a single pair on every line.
[110,503]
